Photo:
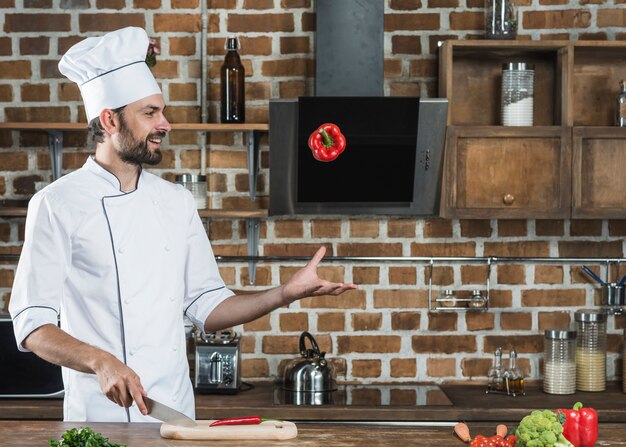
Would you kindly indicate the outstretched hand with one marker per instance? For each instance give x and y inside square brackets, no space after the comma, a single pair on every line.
[306,283]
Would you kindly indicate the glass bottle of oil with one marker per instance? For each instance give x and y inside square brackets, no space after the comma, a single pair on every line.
[513,379]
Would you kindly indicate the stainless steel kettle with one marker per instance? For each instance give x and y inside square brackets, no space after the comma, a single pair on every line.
[311,372]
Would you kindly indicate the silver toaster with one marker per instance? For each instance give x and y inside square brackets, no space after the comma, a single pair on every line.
[217,362]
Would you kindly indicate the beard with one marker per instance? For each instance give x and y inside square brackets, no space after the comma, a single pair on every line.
[134,150]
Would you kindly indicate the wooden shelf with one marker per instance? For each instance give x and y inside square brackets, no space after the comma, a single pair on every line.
[16,211]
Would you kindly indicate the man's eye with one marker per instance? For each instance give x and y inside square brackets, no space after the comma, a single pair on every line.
[150,113]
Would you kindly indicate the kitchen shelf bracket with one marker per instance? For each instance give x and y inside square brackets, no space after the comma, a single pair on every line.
[55,143]
[253,161]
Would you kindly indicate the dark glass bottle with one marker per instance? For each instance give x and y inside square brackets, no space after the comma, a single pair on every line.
[232,85]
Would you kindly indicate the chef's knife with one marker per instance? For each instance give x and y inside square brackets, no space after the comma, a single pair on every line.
[166,414]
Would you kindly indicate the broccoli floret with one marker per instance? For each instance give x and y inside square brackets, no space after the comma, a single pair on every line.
[541,428]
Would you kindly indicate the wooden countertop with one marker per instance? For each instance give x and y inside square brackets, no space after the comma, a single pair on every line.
[29,433]
[469,403]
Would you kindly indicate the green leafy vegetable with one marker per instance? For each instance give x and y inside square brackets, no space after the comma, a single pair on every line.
[83,437]
[541,428]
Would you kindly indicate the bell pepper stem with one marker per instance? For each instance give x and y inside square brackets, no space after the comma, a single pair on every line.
[328,142]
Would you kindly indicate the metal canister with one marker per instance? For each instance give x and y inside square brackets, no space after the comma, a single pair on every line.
[591,350]
[559,361]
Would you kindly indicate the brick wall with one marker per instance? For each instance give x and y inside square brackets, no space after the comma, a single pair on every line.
[383,330]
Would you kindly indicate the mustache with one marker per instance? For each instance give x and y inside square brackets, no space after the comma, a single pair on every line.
[158,134]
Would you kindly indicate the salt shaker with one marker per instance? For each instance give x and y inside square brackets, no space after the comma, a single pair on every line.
[495,379]
[518,83]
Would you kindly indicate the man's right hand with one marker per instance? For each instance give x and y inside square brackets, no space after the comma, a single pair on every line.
[120,383]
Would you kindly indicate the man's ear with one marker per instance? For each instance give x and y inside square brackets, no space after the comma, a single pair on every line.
[109,121]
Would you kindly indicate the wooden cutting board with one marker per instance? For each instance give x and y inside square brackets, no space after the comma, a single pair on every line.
[264,430]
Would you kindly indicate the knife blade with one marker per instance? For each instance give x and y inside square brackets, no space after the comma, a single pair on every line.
[167,414]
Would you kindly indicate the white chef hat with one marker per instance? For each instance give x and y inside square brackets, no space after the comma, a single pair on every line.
[110,70]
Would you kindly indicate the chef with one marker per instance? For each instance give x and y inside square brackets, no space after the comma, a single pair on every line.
[114,256]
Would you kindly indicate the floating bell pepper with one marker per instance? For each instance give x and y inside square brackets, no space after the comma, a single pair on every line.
[327,142]
[581,425]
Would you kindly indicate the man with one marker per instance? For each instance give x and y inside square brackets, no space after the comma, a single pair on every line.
[120,254]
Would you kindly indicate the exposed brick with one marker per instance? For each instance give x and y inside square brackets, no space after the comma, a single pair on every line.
[401,228]
[522,343]
[224,4]
[617,228]
[405,321]
[290,322]
[406,45]
[331,321]
[36,22]
[364,228]
[442,276]
[567,18]
[292,89]
[170,70]
[34,45]
[578,276]
[366,275]
[552,227]
[467,20]
[512,227]
[479,321]
[5,46]
[288,67]
[64,43]
[220,229]
[263,276]
[183,92]
[475,228]
[6,278]
[554,320]
[405,88]
[114,4]
[15,70]
[366,368]
[35,92]
[333,273]
[14,161]
[366,321]
[184,4]
[255,368]
[6,93]
[402,275]
[516,321]
[392,68]
[585,228]
[368,343]
[289,344]
[591,249]
[555,36]
[74,4]
[610,17]
[443,249]
[517,249]
[109,22]
[601,35]
[295,44]
[326,228]
[369,249]
[475,367]
[406,5]
[25,184]
[291,4]
[5,232]
[511,274]
[182,46]
[421,68]
[437,228]
[500,298]
[548,274]
[403,367]
[442,321]
[352,299]
[289,228]
[553,297]
[473,274]
[411,22]
[230,249]
[403,298]
[177,23]
[68,92]
[443,344]
[147,4]
[260,23]
[441,367]
[553,2]
[247,344]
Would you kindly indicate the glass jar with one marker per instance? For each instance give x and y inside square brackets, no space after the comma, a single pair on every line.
[591,350]
[513,378]
[197,185]
[500,19]
[495,375]
[518,84]
[477,301]
[447,298]
[621,105]
[559,362]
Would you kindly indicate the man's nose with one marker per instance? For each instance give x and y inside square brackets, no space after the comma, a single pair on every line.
[164,125]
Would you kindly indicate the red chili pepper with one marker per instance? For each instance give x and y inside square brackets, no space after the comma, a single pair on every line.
[581,425]
[327,142]
[246,420]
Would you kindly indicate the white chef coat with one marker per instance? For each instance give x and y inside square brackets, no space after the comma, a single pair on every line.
[120,269]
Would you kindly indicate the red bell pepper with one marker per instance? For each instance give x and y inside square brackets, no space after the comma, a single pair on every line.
[246,420]
[581,425]
[327,142]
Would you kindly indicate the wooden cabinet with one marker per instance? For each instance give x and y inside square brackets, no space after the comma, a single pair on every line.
[560,167]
